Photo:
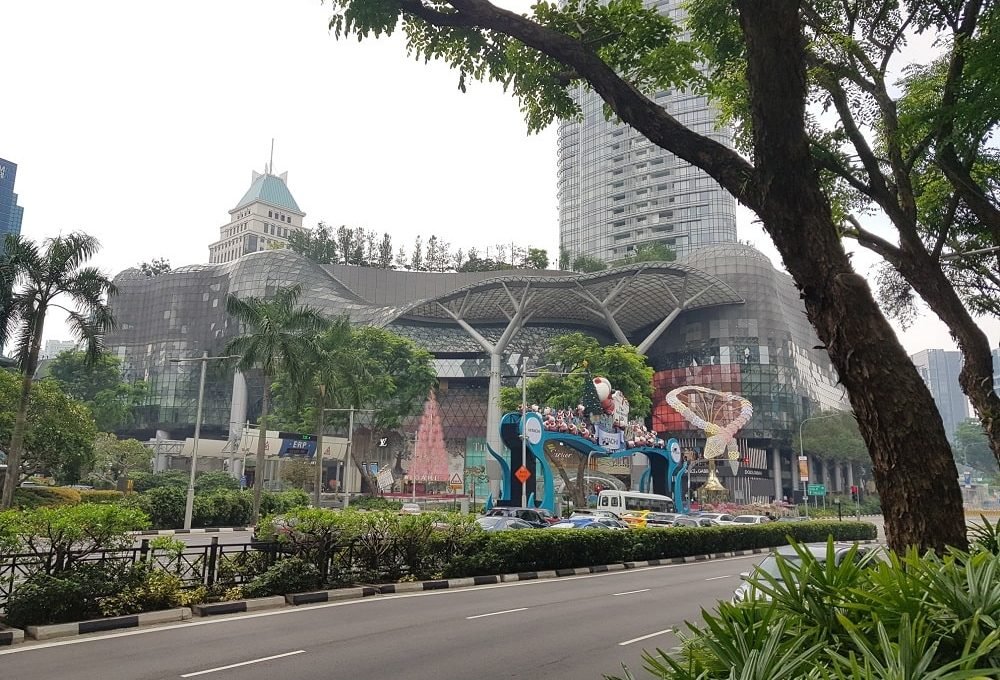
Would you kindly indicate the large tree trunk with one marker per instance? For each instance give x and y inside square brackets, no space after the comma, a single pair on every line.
[976,378]
[258,475]
[912,461]
[16,449]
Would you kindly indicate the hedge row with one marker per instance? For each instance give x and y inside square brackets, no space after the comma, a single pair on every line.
[507,552]
[222,508]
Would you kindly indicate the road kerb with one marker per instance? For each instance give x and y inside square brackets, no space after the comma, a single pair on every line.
[331,595]
[113,623]
[10,636]
[238,606]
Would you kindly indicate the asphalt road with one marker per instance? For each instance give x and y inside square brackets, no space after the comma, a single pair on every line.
[225,538]
[571,628]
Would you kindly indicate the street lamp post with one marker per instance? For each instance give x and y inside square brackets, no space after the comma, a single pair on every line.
[802,453]
[204,359]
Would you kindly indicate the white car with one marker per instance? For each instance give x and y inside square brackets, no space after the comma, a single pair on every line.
[720,518]
[751,519]
[410,509]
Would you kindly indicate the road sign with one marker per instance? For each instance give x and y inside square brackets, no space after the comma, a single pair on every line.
[817,490]
[456,481]
[522,474]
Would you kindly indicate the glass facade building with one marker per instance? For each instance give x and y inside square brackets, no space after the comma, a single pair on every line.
[939,369]
[11,214]
[617,191]
[746,333]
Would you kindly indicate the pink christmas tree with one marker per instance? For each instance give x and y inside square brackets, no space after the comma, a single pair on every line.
[430,457]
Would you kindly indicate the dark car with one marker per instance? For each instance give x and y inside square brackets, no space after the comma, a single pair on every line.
[549,517]
[683,521]
[502,523]
[530,515]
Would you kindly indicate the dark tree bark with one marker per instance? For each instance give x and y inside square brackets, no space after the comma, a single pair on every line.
[911,458]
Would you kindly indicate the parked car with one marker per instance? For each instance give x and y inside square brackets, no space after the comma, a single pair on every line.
[636,518]
[410,509]
[502,523]
[769,565]
[684,521]
[549,517]
[661,519]
[588,512]
[581,523]
[793,518]
[719,517]
[530,515]
[751,519]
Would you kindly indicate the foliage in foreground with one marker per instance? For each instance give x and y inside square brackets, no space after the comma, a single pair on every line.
[915,617]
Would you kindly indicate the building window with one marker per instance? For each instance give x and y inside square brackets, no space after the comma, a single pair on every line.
[269,214]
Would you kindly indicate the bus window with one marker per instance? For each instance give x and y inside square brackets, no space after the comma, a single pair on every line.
[614,501]
[604,500]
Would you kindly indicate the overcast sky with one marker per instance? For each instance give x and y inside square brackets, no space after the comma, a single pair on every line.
[141,122]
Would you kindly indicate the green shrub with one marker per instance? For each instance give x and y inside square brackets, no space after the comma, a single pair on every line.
[39,496]
[165,505]
[292,575]
[98,496]
[276,503]
[870,619]
[145,481]
[375,503]
[210,482]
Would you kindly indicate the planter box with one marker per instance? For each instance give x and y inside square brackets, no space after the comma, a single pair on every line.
[58,630]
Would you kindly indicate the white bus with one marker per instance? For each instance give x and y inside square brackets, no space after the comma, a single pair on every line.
[622,501]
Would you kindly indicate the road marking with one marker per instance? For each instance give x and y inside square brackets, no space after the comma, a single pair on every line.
[243,663]
[646,637]
[222,620]
[716,578]
[630,592]
[505,611]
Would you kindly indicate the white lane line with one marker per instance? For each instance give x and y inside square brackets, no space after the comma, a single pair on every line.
[630,592]
[368,601]
[243,663]
[505,611]
[646,637]
[716,578]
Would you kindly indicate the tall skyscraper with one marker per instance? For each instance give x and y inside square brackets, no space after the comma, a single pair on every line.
[264,218]
[940,369]
[11,213]
[617,191]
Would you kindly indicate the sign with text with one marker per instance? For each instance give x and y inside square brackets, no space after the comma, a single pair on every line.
[816,489]
[803,469]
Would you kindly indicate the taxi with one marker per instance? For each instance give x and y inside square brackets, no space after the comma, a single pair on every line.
[636,519]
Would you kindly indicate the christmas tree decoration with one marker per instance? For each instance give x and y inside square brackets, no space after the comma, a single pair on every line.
[430,456]
[591,399]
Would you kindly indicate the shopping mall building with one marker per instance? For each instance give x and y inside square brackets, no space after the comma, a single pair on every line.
[721,317]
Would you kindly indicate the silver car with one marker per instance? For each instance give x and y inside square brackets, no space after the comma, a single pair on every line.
[769,565]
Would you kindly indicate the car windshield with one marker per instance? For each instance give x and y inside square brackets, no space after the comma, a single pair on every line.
[745,519]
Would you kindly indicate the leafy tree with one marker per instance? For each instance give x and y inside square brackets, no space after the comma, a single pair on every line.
[39,279]
[317,245]
[588,264]
[972,446]
[834,435]
[417,258]
[99,384]
[650,252]
[59,430]
[274,333]
[925,158]
[298,472]
[155,267]
[584,358]
[383,259]
[623,50]
[115,459]
[536,258]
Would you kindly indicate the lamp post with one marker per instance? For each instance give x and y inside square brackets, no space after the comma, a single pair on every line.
[524,413]
[802,453]
[204,359]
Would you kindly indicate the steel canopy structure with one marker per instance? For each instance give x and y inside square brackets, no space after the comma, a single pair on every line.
[626,300]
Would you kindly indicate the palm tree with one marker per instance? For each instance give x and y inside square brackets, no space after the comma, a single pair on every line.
[32,280]
[332,373]
[275,336]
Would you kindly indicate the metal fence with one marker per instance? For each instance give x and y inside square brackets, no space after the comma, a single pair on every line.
[203,565]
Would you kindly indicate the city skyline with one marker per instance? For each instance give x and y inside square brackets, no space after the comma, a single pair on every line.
[460,166]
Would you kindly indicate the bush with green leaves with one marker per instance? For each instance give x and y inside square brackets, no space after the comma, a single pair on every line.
[55,535]
[209,482]
[291,575]
[874,618]
[99,496]
[375,503]
[275,503]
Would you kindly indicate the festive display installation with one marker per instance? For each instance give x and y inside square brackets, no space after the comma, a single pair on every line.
[430,457]
[705,405]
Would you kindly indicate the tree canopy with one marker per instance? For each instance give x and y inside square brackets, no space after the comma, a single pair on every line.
[60,432]
[116,459]
[834,435]
[583,357]
[972,447]
[155,267]
[99,384]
